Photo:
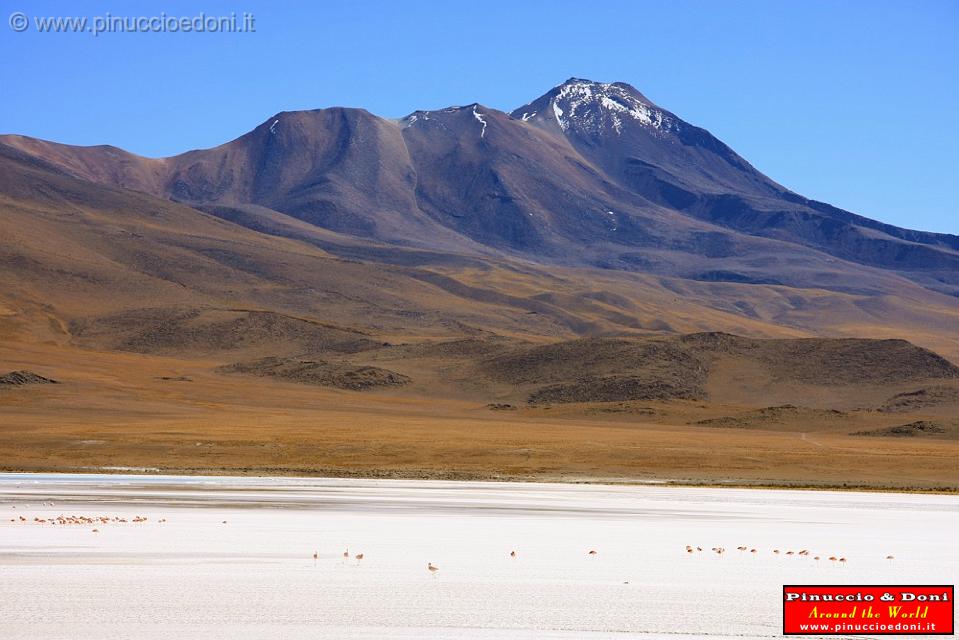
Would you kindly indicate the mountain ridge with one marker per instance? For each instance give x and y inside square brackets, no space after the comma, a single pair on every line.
[588,174]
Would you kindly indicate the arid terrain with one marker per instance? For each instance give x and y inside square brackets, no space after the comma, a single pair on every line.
[339,294]
[444,411]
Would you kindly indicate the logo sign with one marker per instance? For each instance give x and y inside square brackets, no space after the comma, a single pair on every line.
[873,610]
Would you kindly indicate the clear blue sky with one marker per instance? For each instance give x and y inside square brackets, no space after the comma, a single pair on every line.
[854,102]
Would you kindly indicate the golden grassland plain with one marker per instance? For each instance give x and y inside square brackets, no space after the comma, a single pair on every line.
[123,414]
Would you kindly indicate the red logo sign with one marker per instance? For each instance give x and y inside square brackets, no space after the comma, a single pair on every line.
[868,610]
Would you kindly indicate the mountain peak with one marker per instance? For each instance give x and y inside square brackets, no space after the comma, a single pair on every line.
[586,82]
[575,80]
[595,108]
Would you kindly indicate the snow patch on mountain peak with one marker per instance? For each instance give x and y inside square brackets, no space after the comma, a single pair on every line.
[559,115]
[479,117]
[413,118]
[595,106]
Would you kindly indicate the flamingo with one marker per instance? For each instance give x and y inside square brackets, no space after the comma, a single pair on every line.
[890,558]
[358,557]
[512,554]
[315,556]
[346,554]
[432,568]
[592,552]
[752,551]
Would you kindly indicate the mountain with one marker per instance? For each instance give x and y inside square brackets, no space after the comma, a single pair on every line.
[589,174]
[595,209]
[651,151]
